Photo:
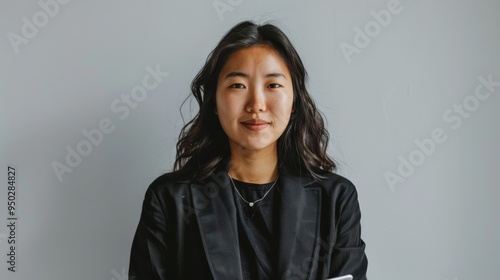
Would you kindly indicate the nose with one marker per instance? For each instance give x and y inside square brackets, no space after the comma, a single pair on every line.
[256,101]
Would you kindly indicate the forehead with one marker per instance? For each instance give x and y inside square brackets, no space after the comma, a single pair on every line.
[256,58]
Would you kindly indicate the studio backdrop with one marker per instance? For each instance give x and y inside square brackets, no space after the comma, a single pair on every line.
[90,111]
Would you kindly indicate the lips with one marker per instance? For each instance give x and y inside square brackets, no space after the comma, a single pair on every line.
[255,124]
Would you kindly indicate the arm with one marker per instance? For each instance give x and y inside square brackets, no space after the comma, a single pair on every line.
[348,255]
[149,259]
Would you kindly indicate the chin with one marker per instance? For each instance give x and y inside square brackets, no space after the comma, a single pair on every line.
[253,146]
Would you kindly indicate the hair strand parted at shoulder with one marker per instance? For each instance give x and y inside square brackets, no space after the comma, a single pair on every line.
[203,145]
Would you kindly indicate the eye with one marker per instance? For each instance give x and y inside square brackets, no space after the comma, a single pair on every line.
[274,86]
[239,86]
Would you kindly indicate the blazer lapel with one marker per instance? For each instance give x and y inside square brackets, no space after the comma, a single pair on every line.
[299,215]
[216,215]
[300,212]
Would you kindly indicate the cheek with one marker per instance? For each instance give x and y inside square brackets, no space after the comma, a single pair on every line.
[287,103]
[221,103]
[283,109]
[286,99]
[226,110]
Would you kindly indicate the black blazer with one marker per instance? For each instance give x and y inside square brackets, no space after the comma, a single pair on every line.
[189,231]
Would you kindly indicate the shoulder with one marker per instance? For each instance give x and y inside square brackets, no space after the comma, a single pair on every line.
[164,188]
[339,196]
[334,179]
[335,185]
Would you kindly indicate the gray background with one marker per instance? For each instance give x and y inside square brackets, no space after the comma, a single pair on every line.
[439,222]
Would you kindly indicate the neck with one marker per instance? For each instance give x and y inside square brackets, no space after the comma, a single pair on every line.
[257,167]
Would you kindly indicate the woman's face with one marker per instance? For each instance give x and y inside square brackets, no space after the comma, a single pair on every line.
[254,98]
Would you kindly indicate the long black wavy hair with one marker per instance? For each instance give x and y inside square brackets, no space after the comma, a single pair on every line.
[203,146]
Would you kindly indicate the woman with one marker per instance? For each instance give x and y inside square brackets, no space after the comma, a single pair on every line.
[252,194]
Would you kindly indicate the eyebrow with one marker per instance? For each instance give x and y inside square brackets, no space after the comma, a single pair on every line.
[244,75]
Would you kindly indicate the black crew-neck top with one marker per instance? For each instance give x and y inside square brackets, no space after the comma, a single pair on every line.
[257,229]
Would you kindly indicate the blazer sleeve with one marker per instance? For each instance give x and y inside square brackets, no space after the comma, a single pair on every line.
[348,255]
[149,258]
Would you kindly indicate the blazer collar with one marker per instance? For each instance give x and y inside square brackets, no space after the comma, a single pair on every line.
[298,225]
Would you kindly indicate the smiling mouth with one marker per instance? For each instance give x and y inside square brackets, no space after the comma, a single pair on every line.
[255,125]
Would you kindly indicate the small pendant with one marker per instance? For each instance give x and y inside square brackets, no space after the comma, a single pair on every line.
[251,204]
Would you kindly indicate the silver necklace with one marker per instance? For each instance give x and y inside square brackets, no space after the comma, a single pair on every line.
[252,203]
